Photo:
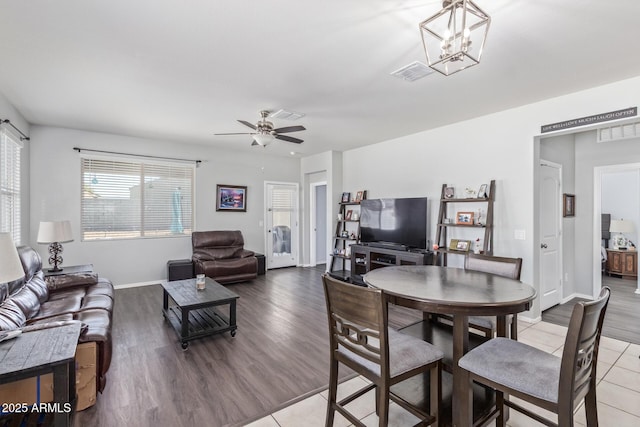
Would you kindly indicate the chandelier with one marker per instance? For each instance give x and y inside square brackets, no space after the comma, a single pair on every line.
[454,37]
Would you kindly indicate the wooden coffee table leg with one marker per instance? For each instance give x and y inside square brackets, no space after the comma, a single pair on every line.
[184,328]
[232,317]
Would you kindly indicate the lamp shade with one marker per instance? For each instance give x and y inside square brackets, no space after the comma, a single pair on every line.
[10,265]
[621,226]
[55,231]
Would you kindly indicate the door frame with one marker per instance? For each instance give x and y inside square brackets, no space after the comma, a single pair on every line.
[295,231]
[312,222]
[598,172]
[557,166]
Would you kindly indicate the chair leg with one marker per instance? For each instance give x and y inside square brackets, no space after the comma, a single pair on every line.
[514,327]
[591,408]
[502,416]
[333,392]
[435,393]
[383,405]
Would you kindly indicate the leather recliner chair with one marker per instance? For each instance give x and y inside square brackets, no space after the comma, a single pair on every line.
[221,256]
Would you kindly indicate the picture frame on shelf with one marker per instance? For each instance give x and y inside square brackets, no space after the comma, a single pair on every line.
[348,215]
[449,192]
[453,244]
[463,245]
[359,196]
[231,198]
[346,197]
[482,192]
[464,218]
[568,205]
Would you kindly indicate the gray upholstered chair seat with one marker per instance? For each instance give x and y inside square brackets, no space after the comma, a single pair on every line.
[517,366]
[405,353]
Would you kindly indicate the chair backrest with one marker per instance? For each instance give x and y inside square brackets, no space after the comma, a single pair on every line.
[218,244]
[356,315]
[501,266]
[580,354]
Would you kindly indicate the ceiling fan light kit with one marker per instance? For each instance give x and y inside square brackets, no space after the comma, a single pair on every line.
[454,38]
[265,133]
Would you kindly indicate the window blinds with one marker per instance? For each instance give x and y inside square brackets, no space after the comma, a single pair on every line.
[122,199]
[10,147]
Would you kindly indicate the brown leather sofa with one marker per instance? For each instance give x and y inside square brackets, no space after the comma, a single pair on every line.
[221,256]
[34,302]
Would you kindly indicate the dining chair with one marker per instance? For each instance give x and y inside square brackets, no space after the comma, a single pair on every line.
[501,266]
[557,384]
[361,340]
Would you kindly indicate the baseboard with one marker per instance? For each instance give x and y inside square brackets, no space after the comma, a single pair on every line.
[576,295]
[136,285]
[530,320]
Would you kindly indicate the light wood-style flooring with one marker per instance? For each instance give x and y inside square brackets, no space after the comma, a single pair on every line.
[622,320]
[280,353]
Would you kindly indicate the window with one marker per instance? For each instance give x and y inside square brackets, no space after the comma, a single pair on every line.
[122,199]
[10,147]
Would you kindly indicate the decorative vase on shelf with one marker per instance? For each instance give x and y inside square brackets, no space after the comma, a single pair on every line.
[477,247]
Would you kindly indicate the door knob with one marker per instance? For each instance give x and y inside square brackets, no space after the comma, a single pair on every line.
[543,246]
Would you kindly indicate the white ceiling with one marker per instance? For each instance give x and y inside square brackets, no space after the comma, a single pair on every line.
[184,70]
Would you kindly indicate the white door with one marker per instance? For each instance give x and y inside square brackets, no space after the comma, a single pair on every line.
[282,224]
[550,234]
[318,232]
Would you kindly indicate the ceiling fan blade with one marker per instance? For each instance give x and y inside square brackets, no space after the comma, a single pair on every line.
[254,143]
[289,139]
[244,133]
[246,123]
[289,129]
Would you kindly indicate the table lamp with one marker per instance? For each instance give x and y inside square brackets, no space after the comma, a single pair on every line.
[10,265]
[620,226]
[55,233]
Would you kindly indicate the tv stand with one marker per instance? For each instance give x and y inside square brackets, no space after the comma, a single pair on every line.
[369,257]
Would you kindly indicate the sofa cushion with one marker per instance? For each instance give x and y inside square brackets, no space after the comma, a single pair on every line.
[39,287]
[66,281]
[27,301]
[70,303]
[11,316]
[31,261]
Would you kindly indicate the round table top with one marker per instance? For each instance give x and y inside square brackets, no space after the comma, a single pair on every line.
[453,290]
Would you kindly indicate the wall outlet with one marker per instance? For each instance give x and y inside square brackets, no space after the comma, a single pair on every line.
[519,234]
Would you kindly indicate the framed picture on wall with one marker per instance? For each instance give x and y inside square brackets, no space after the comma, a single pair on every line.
[568,205]
[231,198]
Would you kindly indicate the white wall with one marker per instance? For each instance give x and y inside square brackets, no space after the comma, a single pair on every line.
[55,194]
[8,112]
[499,146]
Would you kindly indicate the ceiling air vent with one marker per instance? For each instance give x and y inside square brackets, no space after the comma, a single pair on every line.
[618,132]
[412,72]
[287,115]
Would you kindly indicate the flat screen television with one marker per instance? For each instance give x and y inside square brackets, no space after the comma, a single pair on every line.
[394,222]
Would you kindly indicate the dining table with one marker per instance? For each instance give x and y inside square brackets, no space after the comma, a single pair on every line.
[459,293]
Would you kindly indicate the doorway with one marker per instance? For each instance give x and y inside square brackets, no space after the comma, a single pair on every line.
[318,231]
[550,226]
[281,219]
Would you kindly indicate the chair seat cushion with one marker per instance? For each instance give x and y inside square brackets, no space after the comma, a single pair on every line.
[405,353]
[517,366]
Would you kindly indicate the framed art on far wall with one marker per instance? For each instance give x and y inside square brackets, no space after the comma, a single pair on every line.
[568,205]
[231,198]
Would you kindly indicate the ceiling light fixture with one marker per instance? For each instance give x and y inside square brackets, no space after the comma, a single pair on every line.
[454,38]
[263,138]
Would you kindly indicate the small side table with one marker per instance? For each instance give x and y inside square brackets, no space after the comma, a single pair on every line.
[72,269]
[41,352]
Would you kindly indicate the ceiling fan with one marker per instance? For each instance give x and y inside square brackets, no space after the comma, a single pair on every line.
[264,133]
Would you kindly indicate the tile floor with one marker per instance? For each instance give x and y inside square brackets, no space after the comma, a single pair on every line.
[618,389]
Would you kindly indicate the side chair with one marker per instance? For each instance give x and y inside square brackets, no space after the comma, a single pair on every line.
[361,340]
[557,384]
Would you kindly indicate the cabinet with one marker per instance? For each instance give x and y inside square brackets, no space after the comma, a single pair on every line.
[450,208]
[622,263]
[347,233]
[367,258]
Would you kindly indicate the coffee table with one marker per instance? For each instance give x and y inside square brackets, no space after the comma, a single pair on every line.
[193,314]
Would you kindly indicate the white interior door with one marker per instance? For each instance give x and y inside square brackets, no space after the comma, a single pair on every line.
[282,224]
[550,234]
[318,231]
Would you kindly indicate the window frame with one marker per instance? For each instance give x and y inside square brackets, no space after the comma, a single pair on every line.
[14,188]
[139,161]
